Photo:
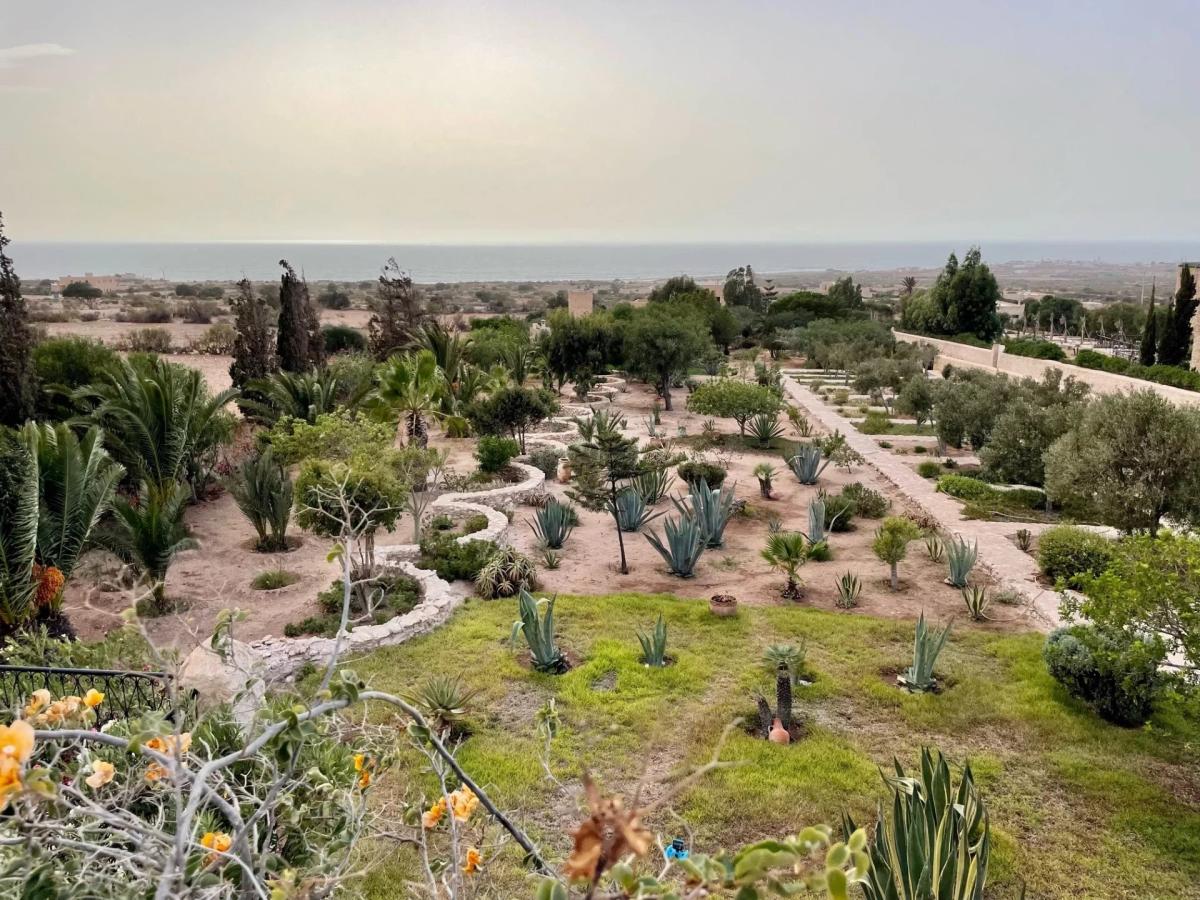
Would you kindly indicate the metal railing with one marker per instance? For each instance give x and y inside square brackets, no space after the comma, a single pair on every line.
[126,694]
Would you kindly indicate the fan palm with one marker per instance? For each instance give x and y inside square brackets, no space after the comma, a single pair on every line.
[787,551]
[409,386]
[77,479]
[148,533]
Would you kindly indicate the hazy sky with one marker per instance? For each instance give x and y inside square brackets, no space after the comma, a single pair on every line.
[563,121]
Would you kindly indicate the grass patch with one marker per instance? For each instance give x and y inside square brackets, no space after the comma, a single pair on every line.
[273,580]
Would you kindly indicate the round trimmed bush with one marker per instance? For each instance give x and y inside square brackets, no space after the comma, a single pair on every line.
[1068,551]
[1115,673]
[495,452]
[696,470]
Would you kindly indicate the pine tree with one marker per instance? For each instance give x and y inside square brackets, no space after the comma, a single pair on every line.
[1149,349]
[1179,325]
[16,344]
[254,353]
[299,338]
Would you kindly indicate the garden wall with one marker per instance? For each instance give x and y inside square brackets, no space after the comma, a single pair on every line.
[996,359]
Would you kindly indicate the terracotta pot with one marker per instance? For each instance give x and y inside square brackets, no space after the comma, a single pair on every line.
[564,471]
[778,733]
[723,605]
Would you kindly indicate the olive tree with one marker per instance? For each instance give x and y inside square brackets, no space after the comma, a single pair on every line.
[730,398]
[660,346]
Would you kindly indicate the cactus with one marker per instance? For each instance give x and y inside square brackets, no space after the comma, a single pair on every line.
[961,558]
[783,695]
[807,463]
[683,547]
[554,523]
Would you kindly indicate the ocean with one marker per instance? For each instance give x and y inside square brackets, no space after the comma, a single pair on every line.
[430,263]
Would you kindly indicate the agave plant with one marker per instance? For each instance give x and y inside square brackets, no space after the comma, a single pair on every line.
[149,533]
[262,490]
[817,521]
[683,547]
[787,551]
[937,841]
[978,600]
[538,633]
[849,588]
[711,508]
[631,510]
[807,464]
[444,700]
[960,556]
[550,559]
[764,428]
[654,645]
[554,523]
[935,547]
[506,572]
[918,678]
[653,485]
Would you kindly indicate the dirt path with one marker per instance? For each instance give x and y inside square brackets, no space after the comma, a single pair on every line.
[1012,567]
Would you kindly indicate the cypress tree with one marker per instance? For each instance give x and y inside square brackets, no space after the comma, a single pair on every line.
[16,344]
[254,347]
[1164,336]
[299,340]
[1149,349]
[1178,336]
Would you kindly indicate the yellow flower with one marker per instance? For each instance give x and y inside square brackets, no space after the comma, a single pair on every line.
[93,698]
[167,743]
[10,779]
[216,841]
[360,759]
[102,774]
[433,815]
[463,803]
[364,780]
[16,741]
[38,701]
[474,861]
[363,764]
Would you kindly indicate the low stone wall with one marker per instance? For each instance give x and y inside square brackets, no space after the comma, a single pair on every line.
[502,497]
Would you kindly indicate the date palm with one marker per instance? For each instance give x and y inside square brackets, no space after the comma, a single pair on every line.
[148,533]
[410,386]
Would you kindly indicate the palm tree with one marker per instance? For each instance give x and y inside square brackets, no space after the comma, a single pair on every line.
[263,492]
[18,530]
[77,480]
[910,285]
[787,551]
[300,395]
[148,533]
[519,359]
[410,386]
[449,349]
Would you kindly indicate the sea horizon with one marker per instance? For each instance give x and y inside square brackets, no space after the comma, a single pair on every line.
[550,262]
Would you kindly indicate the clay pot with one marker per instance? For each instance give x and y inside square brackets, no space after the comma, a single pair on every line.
[723,605]
[778,734]
[564,470]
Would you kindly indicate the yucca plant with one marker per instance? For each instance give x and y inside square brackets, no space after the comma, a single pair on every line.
[935,548]
[978,600]
[506,572]
[711,508]
[918,678]
[554,523]
[683,547]
[764,428]
[960,556]
[654,645]
[937,841]
[787,551]
[631,510]
[788,655]
[652,485]
[444,700]
[849,588]
[550,559]
[807,464]
[262,490]
[538,633]
[764,472]
[1024,539]
[148,533]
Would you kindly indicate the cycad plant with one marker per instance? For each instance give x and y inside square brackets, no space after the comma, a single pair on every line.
[807,464]
[298,395]
[960,557]
[553,523]
[631,510]
[711,508]
[506,572]
[789,655]
[77,480]
[262,490]
[787,551]
[937,841]
[764,428]
[654,645]
[444,700]
[764,472]
[652,485]
[18,529]
[538,633]
[683,547]
[148,533]
[927,645]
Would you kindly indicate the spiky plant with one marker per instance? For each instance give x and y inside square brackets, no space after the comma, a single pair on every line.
[978,600]
[764,428]
[262,490]
[849,588]
[554,523]
[652,485]
[444,700]
[711,508]
[654,645]
[787,551]
[148,533]
[298,395]
[818,519]
[683,547]
[631,510]
[410,387]
[937,841]
[538,633]
[960,557]
[800,423]
[927,645]
[807,464]
[506,572]
[935,548]
[783,695]
[1024,539]
[550,559]
[789,655]
[18,529]
[764,472]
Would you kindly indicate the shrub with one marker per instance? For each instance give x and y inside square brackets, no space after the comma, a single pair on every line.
[1036,348]
[343,339]
[495,452]
[1067,551]
[218,340]
[1117,674]
[472,524]
[149,340]
[273,580]
[741,401]
[840,511]
[337,435]
[868,503]
[974,491]
[891,544]
[696,470]
[929,469]
[875,423]
[451,560]
[154,314]
[60,365]
[199,312]
[965,488]
[545,459]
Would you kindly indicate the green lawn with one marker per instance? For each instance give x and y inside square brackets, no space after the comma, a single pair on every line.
[1079,808]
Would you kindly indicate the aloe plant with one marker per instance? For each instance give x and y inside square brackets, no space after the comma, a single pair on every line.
[554,523]
[711,508]
[654,645]
[538,633]
[849,588]
[653,485]
[683,547]
[808,464]
[918,678]
[961,558]
[631,510]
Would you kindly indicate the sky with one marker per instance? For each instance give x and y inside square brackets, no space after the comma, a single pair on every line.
[532,121]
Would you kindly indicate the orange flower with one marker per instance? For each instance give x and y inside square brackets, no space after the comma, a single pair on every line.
[93,698]
[218,842]
[608,834]
[102,774]
[463,803]
[16,741]
[474,861]
[50,581]
[38,701]
[10,779]
[363,764]
[156,771]
[431,817]
[167,743]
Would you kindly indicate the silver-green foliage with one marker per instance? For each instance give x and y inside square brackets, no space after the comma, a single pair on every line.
[790,655]
[554,523]
[927,645]
[683,546]
[978,600]
[653,485]
[961,558]
[816,520]
[538,633]
[935,547]
[654,645]
[710,508]
[631,510]
[807,464]
[506,572]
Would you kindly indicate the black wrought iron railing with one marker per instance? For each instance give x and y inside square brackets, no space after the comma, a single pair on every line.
[126,694]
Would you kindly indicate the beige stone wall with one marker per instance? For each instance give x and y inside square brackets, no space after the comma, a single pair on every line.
[580,303]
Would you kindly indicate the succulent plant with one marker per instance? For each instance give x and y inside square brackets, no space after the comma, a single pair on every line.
[683,546]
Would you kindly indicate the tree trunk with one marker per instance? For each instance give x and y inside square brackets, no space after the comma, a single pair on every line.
[895,577]
[666,392]
[617,522]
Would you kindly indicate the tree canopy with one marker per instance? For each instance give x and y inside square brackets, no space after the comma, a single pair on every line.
[660,346]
